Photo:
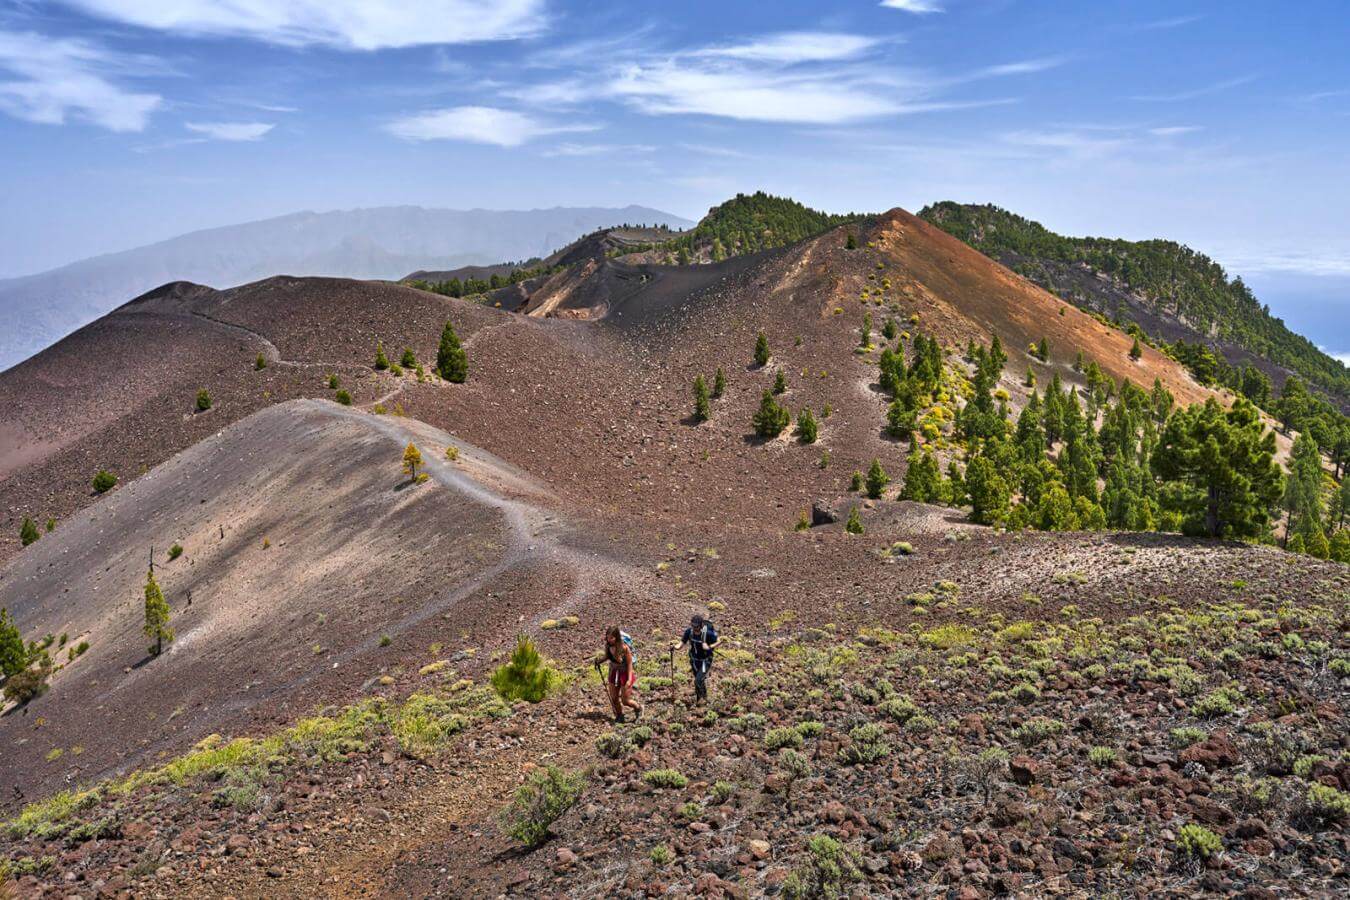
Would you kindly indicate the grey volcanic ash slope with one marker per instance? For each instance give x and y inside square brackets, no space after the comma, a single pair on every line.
[386,242]
[303,547]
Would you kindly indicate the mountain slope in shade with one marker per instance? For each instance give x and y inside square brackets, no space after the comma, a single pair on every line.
[383,242]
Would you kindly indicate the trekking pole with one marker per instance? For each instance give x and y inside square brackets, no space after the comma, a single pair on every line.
[672,680]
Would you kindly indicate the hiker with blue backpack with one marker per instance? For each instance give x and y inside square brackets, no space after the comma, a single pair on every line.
[701,637]
[622,674]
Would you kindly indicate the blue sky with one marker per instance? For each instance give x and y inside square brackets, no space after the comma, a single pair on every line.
[1223,125]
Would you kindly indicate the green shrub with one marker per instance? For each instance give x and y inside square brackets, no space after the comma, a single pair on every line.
[691,810]
[900,708]
[665,778]
[612,744]
[28,531]
[810,729]
[546,794]
[778,738]
[104,481]
[1217,703]
[175,551]
[526,676]
[1183,737]
[829,867]
[854,524]
[1197,842]
[425,724]
[203,400]
[721,791]
[661,855]
[343,397]
[1326,804]
[1101,756]
[868,744]
[1037,729]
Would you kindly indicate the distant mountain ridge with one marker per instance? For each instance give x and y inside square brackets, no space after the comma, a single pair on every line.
[380,243]
[1172,292]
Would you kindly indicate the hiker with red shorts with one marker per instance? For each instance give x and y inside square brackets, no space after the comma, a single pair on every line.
[622,674]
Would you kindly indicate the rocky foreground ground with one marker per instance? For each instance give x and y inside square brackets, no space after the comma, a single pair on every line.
[1121,746]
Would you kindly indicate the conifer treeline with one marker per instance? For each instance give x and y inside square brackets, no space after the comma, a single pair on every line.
[1149,465]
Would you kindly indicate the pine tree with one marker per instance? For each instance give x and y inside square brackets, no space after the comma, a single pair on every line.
[780,383]
[1055,512]
[1224,466]
[770,420]
[761,350]
[865,333]
[104,481]
[1136,351]
[807,426]
[1339,546]
[408,360]
[203,400]
[260,363]
[854,524]
[13,655]
[989,493]
[157,614]
[877,479]
[381,361]
[850,242]
[900,419]
[921,477]
[719,384]
[702,410]
[888,329]
[28,531]
[1317,545]
[1090,515]
[452,363]
[1043,350]
[855,482]
[412,458]
[1295,544]
[1303,488]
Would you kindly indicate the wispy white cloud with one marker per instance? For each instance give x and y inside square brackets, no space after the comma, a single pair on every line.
[1075,143]
[1195,93]
[230,131]
[715,150]
[1162,24]
[757,94]
[1022,67]
[348,24]
[568,148]
[59,78]
[792,47]
[477,124]
[913,6]
[1174,130]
